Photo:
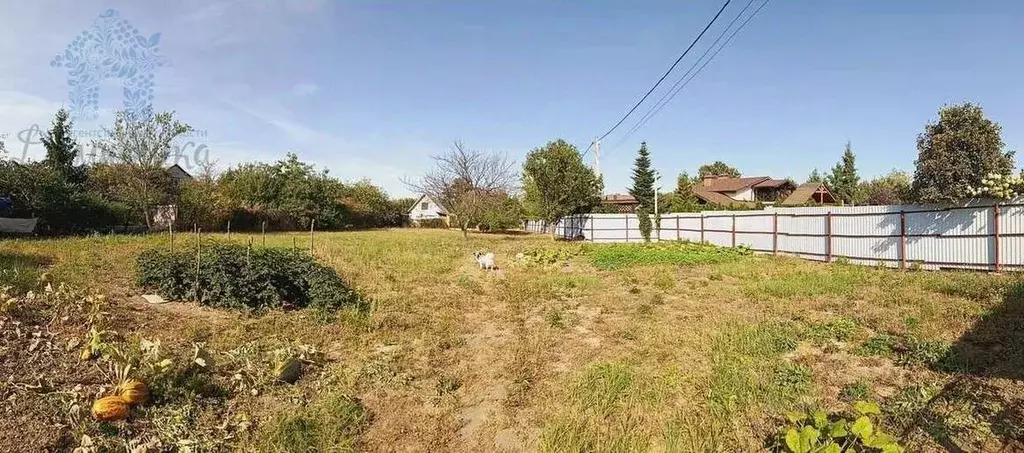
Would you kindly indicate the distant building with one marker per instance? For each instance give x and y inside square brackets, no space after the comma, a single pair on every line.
[178,174]
[427,209]
[620,202]
[742,192]
[810,193]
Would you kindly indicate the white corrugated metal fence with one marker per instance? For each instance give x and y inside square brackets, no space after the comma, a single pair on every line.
[976,235]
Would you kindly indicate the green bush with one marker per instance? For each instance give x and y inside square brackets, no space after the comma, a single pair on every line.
[230,276]
[616,256]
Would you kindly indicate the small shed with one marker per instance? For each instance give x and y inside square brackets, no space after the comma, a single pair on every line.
[426,209]
[810,193]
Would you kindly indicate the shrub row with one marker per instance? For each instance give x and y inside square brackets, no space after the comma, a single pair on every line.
[232,276]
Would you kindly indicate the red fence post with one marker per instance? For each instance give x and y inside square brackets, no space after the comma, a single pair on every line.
[903,239]
[995,229]
[627,227]
[775,233]
[677,227]
[828,235]
[592,239]
[734,230]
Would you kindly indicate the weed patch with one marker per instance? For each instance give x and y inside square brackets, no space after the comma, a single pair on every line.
[232,276]
[747,366]
[617,256]
[331,423]
[839,281]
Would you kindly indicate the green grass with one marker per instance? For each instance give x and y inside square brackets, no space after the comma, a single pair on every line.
[747,368]
[329,424]
[617,256]
[20,271]
[833,280]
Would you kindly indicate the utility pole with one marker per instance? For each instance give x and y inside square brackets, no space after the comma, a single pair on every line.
[597,156]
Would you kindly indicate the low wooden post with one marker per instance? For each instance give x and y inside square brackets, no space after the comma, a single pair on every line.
[734,230]
[903,239]
[312,222]
[295,243]
[828,236]
[775,233]
[199,247]
[229,230]
[248,252]
[995,230]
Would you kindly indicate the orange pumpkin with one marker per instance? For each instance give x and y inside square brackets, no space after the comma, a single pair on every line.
[110,408]
[133,391]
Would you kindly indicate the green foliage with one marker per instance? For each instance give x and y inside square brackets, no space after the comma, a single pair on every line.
[859,390]
[909,350]
[842,329]
[616,256]
[817,431]
[557,183]
[747,368]
[995,185]
[550,255]
[230,276]
[717,168]
[643,179]
[956,153]
[815,176]
[645,224]
[506,213]
[893,188]
[843,179]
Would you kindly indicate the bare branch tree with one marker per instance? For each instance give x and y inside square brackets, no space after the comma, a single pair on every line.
[466,182]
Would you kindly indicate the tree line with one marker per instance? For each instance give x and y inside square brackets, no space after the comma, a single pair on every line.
[961,155]
[69,196]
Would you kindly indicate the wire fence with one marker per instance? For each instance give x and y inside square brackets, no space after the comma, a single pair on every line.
[977,235]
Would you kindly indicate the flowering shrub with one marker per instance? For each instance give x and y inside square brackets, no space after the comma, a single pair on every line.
[995,185]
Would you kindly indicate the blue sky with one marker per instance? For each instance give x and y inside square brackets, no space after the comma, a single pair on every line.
[371,89]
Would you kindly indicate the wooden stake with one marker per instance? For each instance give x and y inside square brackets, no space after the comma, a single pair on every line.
[248,252]
[199,247]
[264,233]
[229,229]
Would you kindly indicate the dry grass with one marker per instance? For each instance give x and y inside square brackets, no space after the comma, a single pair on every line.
[559,354]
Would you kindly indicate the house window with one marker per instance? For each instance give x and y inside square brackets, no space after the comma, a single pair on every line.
[425,205]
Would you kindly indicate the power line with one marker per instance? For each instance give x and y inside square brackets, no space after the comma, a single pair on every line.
[680,83]
[663,76]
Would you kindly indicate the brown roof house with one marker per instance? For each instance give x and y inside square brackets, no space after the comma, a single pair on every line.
[742,192]
[620,202]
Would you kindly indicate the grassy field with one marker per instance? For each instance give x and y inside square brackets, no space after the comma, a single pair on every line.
[565,348]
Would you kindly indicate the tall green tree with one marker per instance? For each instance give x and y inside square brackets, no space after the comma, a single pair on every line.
[815,176]
[557,183]
[956,152]
[682,199]
[62,149]
[843,179]
[717,168]
[643,189]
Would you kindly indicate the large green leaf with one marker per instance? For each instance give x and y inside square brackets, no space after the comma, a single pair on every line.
[820,419]
[862,428]
[866,408]
[838,429]
[794,442]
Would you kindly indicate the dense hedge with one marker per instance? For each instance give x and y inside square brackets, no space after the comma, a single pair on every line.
[267,278]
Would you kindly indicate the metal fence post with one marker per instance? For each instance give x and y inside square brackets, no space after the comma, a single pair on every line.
[828,236]
[734,230]
[592,239]
[775,233]
[627,227]
[677,228]
[903,239]
[995,229]
[702,226]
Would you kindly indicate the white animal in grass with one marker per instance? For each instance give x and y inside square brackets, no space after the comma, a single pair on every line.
[485,260]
